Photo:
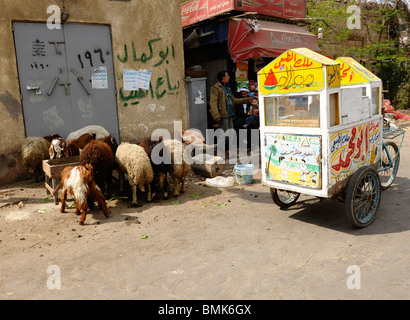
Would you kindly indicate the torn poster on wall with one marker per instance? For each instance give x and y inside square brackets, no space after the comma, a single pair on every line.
[99,78]
[144,78]
[130,79]
[136,79]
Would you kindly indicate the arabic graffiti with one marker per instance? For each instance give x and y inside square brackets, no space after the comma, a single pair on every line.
[158,93]
[39,48]
[144,58]
[37,66]
[88,56]
[352,148]
[294,159]
[160,85]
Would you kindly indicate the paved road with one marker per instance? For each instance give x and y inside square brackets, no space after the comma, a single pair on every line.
[214,244]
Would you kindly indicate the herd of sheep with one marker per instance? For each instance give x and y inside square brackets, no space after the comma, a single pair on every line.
[99,155]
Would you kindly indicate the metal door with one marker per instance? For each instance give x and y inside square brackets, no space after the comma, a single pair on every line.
[41,59]
[91,74]
[66,78]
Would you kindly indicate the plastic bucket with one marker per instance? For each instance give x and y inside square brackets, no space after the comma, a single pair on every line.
[243,173]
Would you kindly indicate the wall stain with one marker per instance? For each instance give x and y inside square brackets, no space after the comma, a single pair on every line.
[12,105]
[7,163]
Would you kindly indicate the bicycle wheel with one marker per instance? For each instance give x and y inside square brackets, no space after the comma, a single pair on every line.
[389,167]
[282,198]
[363,197]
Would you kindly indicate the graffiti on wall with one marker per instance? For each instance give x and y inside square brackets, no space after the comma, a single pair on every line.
[353,148]
[39,48]
[293,159]
[88,56]
[161,84]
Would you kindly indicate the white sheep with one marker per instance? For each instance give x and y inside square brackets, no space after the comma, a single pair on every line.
[34,150]
[178,168]
[99,131]
[134,161]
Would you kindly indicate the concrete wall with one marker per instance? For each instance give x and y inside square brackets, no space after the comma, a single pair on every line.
[133,24]
[358,38]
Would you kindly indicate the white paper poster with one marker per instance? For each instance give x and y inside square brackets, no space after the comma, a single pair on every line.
[99,78]
[144,78]
[130,77]
[136,79]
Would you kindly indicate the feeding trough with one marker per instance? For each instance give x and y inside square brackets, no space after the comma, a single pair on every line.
[52,169]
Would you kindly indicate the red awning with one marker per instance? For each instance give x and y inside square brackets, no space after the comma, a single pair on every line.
[271,39]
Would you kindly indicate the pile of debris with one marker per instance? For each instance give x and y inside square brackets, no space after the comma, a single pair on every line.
[397,114]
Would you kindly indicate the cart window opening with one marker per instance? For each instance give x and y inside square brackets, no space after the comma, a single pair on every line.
[334,109]
[293,111]
[364,94]
[375,100]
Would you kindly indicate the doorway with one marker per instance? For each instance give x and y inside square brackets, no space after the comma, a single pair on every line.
[66,78]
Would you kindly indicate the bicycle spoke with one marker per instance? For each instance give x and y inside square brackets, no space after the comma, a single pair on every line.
[365,202]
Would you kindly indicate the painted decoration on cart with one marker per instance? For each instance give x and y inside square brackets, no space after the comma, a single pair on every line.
[294,159]
[353,148]
[333,76]
[298,70]
[351,72]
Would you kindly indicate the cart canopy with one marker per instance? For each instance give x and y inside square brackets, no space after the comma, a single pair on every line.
[271,40]
[352,73]
[299,70]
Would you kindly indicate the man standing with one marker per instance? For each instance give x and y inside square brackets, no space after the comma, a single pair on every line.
[222,103]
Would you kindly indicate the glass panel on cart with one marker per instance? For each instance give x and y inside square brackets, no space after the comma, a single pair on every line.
[293,111]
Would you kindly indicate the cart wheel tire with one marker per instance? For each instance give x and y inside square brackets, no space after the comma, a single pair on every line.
[284,199]
[363,195]
[387,176]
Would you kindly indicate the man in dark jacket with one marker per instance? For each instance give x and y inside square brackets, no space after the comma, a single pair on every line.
[222,103]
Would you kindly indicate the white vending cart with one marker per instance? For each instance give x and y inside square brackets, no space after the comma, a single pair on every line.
[321,131]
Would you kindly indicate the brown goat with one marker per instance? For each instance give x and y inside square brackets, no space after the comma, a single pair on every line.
[75,146]
[112,143]
[79,182]
[100,156]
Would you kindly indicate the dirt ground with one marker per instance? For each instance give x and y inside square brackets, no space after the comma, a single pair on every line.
[213,243]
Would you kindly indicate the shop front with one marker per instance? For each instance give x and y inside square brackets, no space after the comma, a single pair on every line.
[241,37]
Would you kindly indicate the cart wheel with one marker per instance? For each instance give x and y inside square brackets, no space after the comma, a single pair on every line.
[363,196]
[388,171]
[284,199]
